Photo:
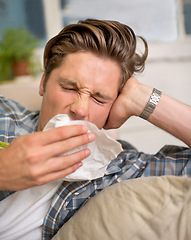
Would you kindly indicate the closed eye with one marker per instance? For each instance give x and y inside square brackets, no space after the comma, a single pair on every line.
[68,89]
[98,101]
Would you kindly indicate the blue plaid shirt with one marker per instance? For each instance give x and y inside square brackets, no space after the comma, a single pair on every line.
[170,160]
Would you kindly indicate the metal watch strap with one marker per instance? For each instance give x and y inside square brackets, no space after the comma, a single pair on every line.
[151,105]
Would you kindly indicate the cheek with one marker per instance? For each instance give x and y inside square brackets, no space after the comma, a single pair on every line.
[59,100]
[51,104]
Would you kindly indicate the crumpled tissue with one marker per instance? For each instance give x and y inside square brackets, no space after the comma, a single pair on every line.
[103,149]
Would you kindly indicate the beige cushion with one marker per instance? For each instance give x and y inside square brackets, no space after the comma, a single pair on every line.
[145,208]
[24,92]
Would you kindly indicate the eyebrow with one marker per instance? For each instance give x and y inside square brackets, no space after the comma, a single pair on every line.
[94,94]
[102,96]
[69,82]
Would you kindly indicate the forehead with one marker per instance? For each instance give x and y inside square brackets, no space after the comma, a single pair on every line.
[89,70]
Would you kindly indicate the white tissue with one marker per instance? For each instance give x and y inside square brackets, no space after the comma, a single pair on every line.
[103,149]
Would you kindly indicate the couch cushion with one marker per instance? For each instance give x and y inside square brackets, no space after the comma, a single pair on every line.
[145,208]
[23,92]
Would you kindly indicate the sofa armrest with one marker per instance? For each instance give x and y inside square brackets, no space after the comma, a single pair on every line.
[25,93]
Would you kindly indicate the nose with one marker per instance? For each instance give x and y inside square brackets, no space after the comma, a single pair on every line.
[80,108]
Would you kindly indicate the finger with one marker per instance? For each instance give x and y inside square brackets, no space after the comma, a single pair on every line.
[66,161]
[58,175]
[59,167]
[60,133]
[61,147]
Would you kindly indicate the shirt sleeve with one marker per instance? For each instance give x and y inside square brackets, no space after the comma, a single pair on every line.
[170,160]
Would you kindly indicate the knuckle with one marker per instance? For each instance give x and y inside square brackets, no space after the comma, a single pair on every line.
[39,182]
[32,158]
[81,129]
[77,157]
[69,131]
[87,137]
[70,170]
[82,154]
[73,168]
[32,174]
[60,132]
[29,140]
[35,177]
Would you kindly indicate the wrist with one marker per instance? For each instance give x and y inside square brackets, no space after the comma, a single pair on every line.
[139,98]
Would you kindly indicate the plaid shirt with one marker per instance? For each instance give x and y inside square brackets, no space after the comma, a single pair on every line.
[170,160]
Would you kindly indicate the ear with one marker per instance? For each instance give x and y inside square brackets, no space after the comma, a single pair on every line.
[41,87]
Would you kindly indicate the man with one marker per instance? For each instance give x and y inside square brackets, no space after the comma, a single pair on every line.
[88,76]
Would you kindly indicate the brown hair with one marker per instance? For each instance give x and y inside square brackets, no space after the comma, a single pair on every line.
[104,38]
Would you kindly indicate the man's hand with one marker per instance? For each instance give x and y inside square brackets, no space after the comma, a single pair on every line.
[169,115]
[130,102]
[34,159]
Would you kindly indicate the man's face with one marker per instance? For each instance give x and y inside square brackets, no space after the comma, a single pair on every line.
[84,86]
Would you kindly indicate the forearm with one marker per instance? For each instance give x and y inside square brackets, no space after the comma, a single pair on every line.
[174,117]
[169,114]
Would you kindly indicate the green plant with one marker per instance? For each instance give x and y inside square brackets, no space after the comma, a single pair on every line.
[16,45]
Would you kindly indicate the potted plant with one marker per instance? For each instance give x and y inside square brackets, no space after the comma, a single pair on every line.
[17,48]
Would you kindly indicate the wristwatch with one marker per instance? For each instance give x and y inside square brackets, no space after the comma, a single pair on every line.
[152,103]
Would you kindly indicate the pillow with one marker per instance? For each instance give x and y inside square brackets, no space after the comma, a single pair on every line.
[144,208]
